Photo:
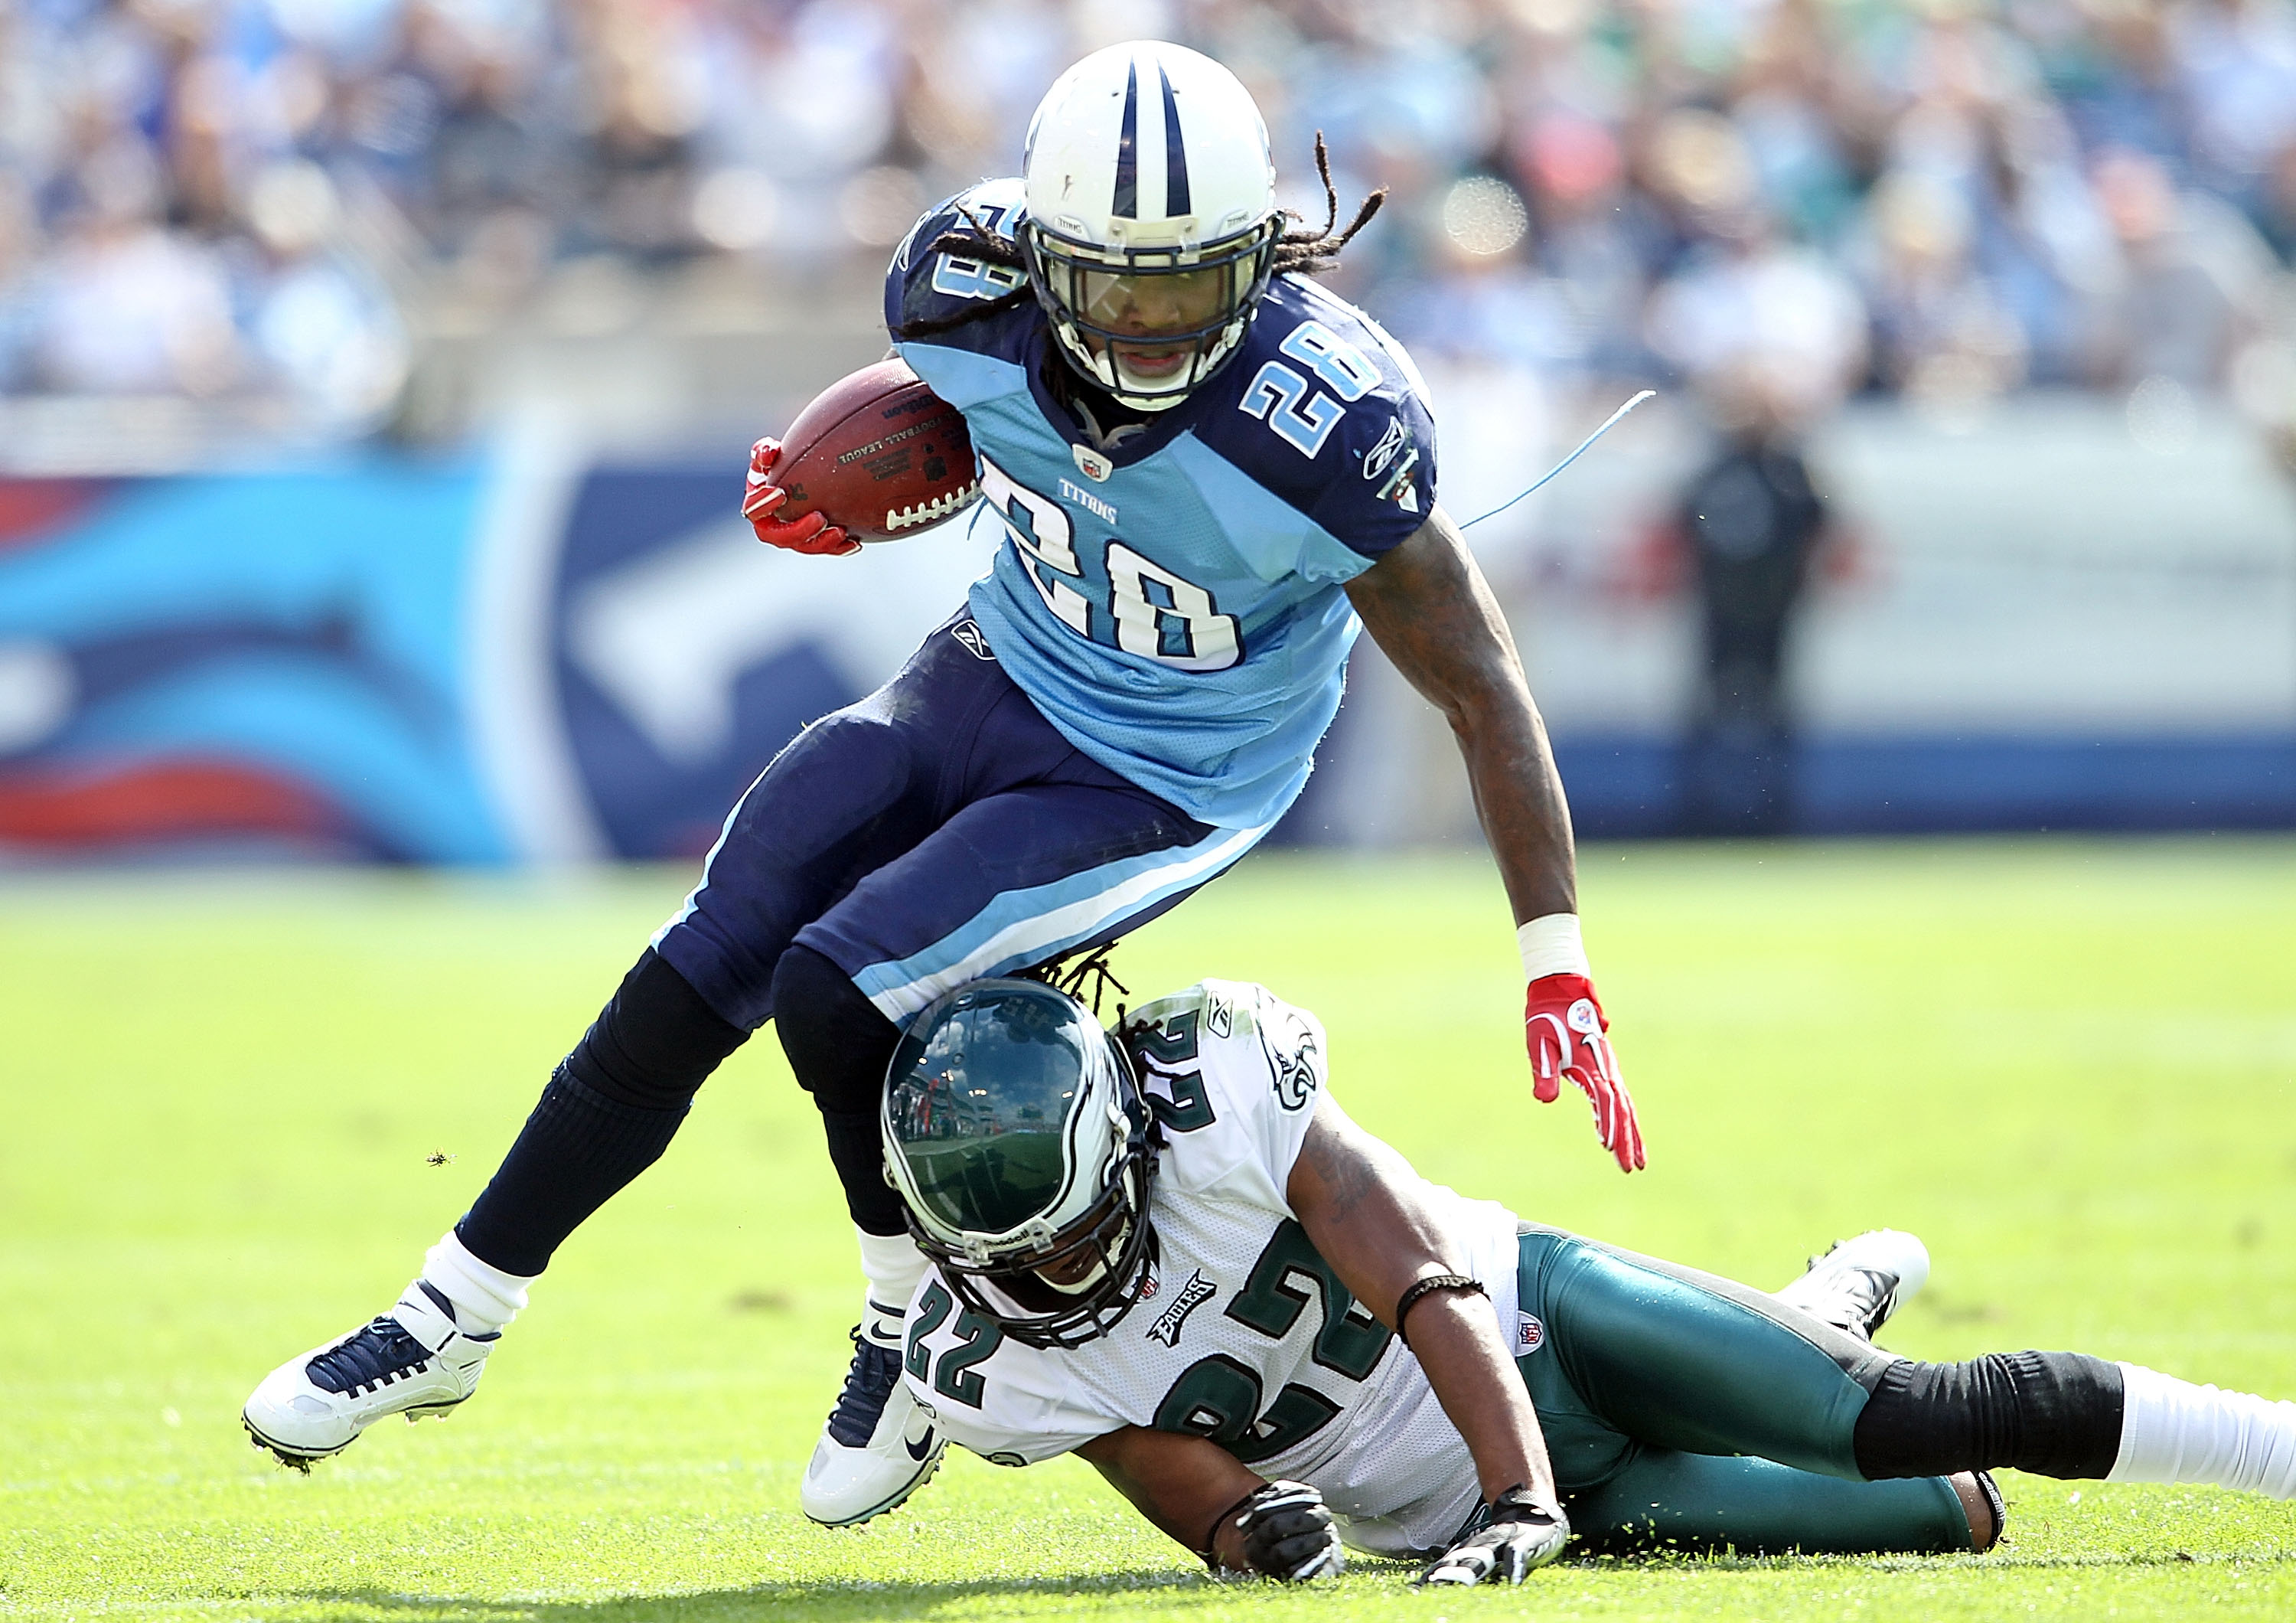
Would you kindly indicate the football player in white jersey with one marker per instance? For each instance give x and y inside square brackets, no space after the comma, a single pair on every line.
[1206,474]
[1167,1248]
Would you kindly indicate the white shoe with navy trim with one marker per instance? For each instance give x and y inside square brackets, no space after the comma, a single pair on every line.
[881,1445]
[413,1361]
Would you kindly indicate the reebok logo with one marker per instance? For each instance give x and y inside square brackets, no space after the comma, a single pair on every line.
[1192,1295]
[1390,445]
[975,644]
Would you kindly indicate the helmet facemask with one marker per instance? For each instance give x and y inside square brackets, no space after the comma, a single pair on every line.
[1107,1252]
[1148,326]
[1022,1149]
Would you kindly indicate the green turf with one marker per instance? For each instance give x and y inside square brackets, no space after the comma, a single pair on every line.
[2068,1065]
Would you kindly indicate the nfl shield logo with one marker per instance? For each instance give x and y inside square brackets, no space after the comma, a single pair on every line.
[1093,463]
[1529,1334]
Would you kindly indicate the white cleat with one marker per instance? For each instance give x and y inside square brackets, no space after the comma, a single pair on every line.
[1859,1283]
[881,1444]
[413,1362]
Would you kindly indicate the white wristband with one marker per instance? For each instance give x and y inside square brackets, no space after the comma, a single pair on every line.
[1552,946]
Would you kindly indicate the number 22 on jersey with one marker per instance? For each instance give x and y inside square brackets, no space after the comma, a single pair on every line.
[1143,608]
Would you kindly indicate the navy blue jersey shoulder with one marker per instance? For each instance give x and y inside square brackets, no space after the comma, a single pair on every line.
[1320,409]
[1323,410]
[921,285]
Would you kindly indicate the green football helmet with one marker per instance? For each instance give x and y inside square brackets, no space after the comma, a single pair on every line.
[1022,1149]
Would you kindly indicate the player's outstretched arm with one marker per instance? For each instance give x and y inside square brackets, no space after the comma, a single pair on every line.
[1368,1213]
[1201,1495]
[1429,608]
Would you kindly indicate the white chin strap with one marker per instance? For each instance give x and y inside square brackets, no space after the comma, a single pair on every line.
[1109,374]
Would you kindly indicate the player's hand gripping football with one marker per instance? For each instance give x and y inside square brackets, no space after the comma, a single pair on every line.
[808,532]
[1516,1535]
[1564,1025]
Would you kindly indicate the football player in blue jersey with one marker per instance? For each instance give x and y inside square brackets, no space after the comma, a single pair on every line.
[1208,475]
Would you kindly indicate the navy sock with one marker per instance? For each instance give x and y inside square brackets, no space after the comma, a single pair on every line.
[857,1150]
[575,1152]
[839,1045]
[610,1109]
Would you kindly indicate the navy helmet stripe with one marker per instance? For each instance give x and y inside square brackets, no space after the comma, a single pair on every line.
[1127,157]
[1175,158]
[1174,155]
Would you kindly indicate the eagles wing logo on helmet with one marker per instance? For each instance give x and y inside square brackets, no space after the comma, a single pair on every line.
[1151,220]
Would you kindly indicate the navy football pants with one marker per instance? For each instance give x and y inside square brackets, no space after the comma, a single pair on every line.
[938,831]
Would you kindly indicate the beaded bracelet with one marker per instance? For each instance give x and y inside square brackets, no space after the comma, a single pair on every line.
[1431,1283]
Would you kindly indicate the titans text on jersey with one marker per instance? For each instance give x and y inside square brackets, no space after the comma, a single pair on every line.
[1249,1338]
[1170,597]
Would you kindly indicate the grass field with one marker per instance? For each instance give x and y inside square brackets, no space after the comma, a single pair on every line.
[2072,1066]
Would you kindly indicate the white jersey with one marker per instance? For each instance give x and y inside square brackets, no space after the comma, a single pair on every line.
[1245,1334]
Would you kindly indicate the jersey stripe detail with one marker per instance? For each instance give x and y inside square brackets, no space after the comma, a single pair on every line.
[1025,926]
[725,832]
[1127,155]
[1175,157]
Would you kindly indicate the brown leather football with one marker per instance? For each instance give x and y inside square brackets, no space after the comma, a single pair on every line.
[878,452]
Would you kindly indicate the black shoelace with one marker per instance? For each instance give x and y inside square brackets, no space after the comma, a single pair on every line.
[867,1385]
[382,1353]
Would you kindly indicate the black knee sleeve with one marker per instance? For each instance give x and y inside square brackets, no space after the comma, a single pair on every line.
[839,1045]
[837,1042]
[655,1043]
[2056,1415]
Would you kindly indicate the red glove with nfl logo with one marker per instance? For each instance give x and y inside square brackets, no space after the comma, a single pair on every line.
[1565,1028]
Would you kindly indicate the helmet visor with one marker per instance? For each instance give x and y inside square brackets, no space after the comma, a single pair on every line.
[979,1108]
[1149,323]
[1022,1149]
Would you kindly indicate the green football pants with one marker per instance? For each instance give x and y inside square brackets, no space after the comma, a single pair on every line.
[1685,1411]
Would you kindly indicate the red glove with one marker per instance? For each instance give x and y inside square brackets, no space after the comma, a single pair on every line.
[1564,1025]
[810,532]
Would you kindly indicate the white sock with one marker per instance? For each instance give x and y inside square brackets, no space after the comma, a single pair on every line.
[485,1297]
[2174,1431]
[893,1267]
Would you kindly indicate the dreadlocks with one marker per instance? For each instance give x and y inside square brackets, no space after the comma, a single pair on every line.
[975,241]
[1069,973]
[1309,253]
[1303,249]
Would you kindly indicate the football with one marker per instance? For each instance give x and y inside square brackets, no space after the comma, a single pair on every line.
[878,452]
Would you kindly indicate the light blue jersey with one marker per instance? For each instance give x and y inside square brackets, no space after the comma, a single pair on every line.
[1170,598]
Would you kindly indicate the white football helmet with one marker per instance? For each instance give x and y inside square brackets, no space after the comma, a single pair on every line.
[1151,221]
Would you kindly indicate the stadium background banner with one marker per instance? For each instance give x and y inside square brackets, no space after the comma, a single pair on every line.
[471,661]
[528,656]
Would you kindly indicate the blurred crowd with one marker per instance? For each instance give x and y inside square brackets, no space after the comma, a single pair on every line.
[1784,202]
